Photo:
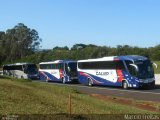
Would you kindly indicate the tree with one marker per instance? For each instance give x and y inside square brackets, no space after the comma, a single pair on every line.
[78,46]
[61,48]
[2,34]
[18,42]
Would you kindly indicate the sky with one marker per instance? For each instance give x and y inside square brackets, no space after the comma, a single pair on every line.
[99,22]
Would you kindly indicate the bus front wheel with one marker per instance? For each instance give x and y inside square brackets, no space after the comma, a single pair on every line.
[125,85]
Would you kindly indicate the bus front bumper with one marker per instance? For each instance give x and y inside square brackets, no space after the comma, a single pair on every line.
[74,79]
[147,85]
[34,77]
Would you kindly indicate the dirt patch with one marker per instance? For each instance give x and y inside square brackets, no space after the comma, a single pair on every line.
[146,105]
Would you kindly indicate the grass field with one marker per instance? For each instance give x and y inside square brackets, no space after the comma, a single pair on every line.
[27,97]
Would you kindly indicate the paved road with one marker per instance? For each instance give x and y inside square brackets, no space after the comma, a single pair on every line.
[147,95]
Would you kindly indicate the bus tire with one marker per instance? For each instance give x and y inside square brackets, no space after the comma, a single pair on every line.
[153,86]
[47,80]
[22,77]
[90,82]
[125,85]
[63,80]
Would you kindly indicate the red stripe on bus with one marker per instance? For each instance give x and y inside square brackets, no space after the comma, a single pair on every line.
[60,73]
[120,75]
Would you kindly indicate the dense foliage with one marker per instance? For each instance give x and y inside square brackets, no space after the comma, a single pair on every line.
[82,51]
[18,42]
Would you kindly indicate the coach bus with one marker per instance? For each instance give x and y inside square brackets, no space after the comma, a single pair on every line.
[21,70]
[64,71]
[124,71]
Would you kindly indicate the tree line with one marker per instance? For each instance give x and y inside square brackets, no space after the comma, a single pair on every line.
[21,44]
[83,51]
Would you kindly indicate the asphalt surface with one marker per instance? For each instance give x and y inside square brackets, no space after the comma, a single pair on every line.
[147,95]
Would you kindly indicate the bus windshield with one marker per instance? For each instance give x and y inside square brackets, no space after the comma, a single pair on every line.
[145,69]
[31,69]
[72,66]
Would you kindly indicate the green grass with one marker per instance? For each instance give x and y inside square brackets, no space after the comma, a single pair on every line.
[27,97]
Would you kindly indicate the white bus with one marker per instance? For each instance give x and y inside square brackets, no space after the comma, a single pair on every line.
[21,70]
[60,70]
[125,71]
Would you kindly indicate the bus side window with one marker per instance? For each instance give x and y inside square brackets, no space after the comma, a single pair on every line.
[131,69]
[66,68]
[25,69]
[120,65]
[60,66]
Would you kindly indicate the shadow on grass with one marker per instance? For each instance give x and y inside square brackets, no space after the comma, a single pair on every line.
[4,77]
[15,79]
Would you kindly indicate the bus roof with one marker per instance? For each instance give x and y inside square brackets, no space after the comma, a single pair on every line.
[58,61]
[133,57]
[17,64]
[111,58]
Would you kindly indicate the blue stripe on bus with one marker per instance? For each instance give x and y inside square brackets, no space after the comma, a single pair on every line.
[96,80]
[48,76]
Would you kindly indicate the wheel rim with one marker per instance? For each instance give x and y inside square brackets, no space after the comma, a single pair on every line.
[63,81]
[89,82]
[47,79]
[125,85]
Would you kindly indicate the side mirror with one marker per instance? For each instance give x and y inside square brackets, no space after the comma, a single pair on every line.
[155,65]
[69,69]
[135,66]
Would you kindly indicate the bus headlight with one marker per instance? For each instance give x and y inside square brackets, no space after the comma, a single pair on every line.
[141,80]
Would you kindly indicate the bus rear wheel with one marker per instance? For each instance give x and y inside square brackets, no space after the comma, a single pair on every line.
[22,77]
[125,85]
[47,80]
[90,82]
[63,81]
